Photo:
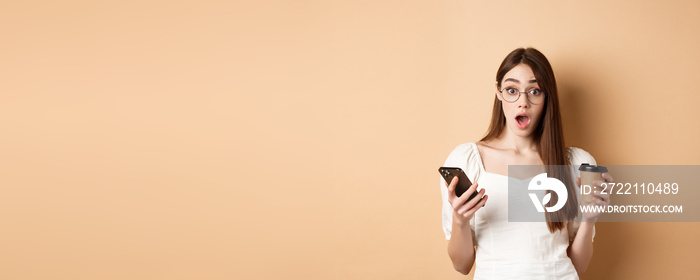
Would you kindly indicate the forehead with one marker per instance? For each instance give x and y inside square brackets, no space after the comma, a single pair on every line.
[521,73]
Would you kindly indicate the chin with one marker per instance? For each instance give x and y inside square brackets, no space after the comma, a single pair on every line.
[522,133]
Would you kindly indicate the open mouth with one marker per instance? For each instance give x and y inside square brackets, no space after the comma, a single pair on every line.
[523,120]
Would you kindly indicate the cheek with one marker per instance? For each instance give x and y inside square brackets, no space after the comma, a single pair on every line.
[507,109]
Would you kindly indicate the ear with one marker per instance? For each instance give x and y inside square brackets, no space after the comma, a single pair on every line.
[497,95]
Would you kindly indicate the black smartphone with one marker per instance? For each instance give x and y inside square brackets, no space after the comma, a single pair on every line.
[462,184]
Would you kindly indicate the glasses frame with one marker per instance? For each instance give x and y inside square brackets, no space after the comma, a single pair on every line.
[527,94]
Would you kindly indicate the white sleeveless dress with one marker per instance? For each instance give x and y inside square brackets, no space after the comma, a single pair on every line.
[510,250]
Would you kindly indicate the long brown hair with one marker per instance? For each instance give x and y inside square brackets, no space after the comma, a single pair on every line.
[548,133]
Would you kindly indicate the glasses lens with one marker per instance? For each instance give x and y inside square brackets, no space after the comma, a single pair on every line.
[535,96]
[510,94]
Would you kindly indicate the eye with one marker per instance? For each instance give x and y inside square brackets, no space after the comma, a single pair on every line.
[511,91]
[535,92]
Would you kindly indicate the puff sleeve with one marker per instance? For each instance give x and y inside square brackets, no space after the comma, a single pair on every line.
[463,156]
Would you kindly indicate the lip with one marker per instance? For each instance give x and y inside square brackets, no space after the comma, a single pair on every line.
[525,125]
[522,114]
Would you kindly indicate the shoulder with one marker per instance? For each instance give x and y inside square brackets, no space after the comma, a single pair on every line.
[462,152]
[466,156]
[577,156]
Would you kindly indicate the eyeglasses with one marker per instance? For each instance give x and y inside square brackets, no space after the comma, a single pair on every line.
[510,95]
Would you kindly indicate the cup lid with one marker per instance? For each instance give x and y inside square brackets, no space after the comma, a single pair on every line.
[592,168]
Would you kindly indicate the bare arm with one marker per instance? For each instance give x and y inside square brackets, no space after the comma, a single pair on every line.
[461,246]
[581,250]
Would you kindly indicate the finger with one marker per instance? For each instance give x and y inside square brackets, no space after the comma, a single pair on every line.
[482,202]
[601,186]
[458,201]
[600,195]
[608,178]
[602,189]
[462,203]
[598,183]
[578,181]
[602,202]
[465,209]
[478,206]
[451,189]
[476,199]
[465,196]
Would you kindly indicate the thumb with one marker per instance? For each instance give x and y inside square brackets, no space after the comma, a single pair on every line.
[451,187]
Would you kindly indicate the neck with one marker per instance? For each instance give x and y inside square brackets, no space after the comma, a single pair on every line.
[519,144]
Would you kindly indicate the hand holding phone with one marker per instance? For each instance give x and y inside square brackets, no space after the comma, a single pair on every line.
[463,182]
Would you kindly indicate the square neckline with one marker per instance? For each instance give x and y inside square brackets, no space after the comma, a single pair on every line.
[483,168]
[481,162]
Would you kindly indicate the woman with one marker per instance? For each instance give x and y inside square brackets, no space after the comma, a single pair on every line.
[524,130]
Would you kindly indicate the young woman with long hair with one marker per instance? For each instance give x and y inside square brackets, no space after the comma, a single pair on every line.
[524,130]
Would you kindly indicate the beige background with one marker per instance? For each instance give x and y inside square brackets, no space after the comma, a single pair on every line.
[301,139]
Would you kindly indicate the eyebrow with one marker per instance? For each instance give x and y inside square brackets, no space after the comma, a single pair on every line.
[516,80]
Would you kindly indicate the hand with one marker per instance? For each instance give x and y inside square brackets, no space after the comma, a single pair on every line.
[599,198]
[463,209]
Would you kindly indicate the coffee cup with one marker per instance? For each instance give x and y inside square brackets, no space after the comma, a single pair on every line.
[589,173]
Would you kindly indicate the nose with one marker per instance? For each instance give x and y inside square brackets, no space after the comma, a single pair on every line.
[523,102]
